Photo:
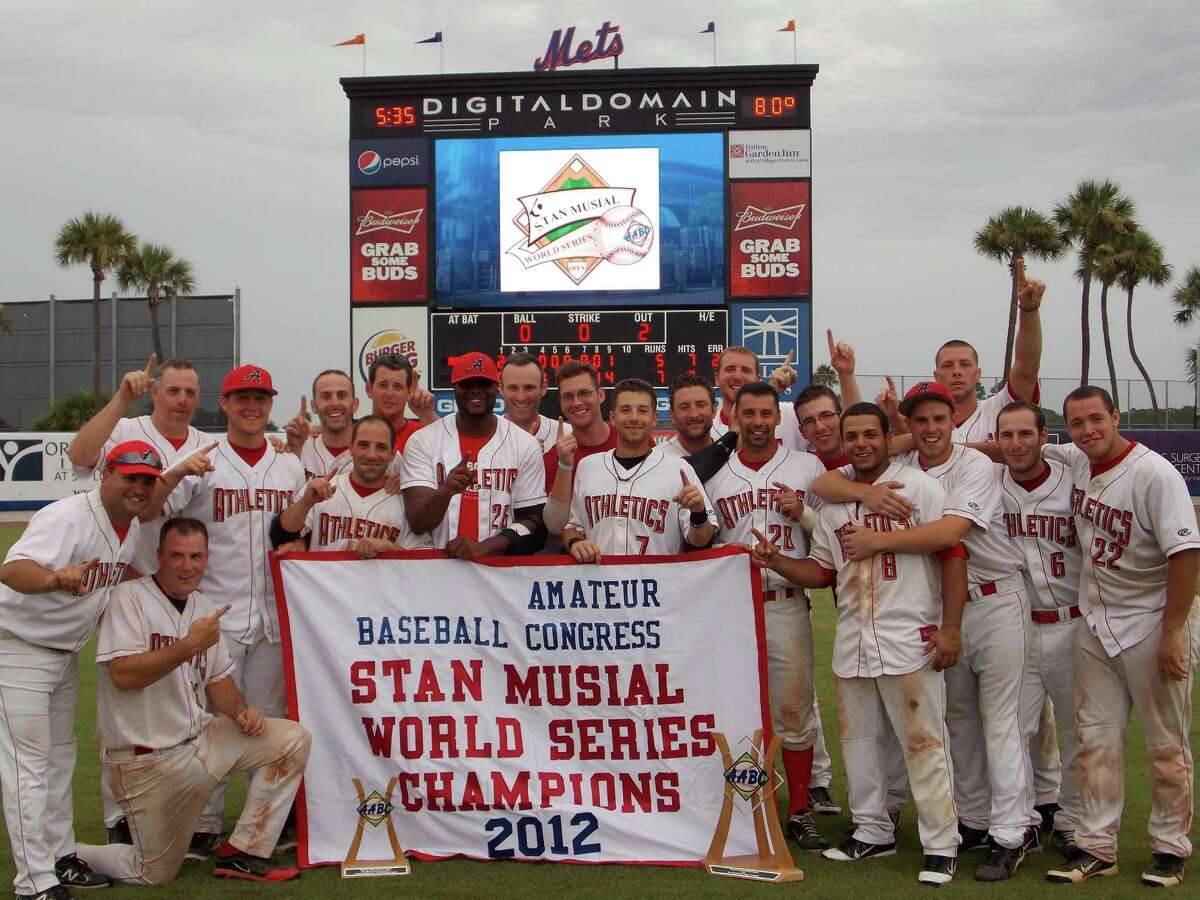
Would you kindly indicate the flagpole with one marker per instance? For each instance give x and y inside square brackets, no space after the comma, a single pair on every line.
[364,58]
[793,46]
[442,56]
[714,46]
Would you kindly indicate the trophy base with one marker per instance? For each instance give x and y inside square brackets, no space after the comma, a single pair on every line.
[374,869]
[754,868]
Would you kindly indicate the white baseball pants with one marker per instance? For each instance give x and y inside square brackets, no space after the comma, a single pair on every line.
[1050,674]
[790,671]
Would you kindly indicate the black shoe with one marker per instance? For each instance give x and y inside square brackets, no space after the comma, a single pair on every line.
[1066,841]
[853,849]
[119,833]
[820,801]
[203,846]
[972,839]
[937,870]
[73,872]
[1047,811]
[252,868]
[287,840]
[894,815]
[804,832]
[1080,866]
[1165,871]
[58,892]
[1002,863]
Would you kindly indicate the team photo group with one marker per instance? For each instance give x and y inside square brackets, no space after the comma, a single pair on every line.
[1003,602]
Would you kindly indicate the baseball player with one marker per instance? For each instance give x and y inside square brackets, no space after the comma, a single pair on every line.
[1036,493]
[351,510]
[819,412]
[1138,642]
[691,402]
[762,488]
[56,581]
[324,453]
[474,481]
[236,487]
[523,385]
[161,655]
[634,500]
[738,366]
[897,629]
[174,390]
[394,386]
[991,784]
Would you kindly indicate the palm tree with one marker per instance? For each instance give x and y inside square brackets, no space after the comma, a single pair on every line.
[1012,232]
[1187,297]
[5,325]
[153,268]
[824,374]
[1141,259]
[1105,268]
[97,241]
[1094,214]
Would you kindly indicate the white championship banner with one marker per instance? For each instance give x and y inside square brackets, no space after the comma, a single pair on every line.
[527,708]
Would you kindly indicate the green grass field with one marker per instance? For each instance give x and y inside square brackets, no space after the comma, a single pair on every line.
[893,877]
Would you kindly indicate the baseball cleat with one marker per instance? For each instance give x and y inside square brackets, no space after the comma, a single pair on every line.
[972,839]
[937,870]
[822,802]
[894,815]
[287,841]
[119,833]
[1166,870]
[1002,863]
[852,849]
[203,846]
[804,832]
[73,872]
[1047,811]
[1079,867]
[252,868]
[1066,840]
[58,892]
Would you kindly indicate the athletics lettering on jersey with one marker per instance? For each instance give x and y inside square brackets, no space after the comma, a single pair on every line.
[234,501]
[647,510]
[1117,523]
[1057,529]
[103,575]
[737,506]
[199,661]
[484,479]
[351,528]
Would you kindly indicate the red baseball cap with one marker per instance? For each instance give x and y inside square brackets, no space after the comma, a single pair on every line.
[135,458]
[248,378]
[474,365]
[925,390]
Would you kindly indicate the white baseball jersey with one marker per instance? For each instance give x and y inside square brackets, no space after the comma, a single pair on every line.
[145,561]
[70,531]
[319,461]
[349,515]
[237,502]
[746,498]
[141,619]
[890,604]
[980,426]
[632,512]
[973,492]
[1132,514]
[1039,519]
[787,432]
[508,475]
[547,432]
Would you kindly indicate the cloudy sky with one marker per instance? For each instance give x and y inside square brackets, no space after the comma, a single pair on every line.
[219,128]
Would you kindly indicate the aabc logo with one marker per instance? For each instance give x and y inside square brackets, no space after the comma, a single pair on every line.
[21,460]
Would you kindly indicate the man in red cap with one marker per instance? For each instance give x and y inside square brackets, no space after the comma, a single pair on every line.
[993,788]
[474,481]
[236,487]
[55,582]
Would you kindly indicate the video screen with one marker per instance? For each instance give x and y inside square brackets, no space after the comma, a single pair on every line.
[540,222]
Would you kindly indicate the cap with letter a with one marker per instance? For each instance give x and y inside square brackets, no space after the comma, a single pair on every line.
[248,378]
[925,390]
[474,365]
[135,458]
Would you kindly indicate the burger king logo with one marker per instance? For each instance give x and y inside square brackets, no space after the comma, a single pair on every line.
[382,343]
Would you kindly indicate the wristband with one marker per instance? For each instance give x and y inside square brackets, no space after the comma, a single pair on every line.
[563,465]
[573,541]
[519,529]
[699,519]
[1029,308]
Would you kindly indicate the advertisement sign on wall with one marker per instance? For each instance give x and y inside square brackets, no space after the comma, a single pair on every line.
[376,331]
[388,162]
[770,239]
[389,246]
[782,153]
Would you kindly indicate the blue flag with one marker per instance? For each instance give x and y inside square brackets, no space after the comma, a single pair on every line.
[436,39]
[711,29]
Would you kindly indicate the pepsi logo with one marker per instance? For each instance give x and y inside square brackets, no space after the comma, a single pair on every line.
[369,162]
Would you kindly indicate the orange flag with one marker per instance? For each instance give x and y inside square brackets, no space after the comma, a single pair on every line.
[790,26]
[357,39]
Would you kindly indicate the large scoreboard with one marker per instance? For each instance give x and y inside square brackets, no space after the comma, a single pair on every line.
[639,219]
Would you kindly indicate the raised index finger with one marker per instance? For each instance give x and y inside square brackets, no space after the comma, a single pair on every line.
[224,609]
[758,534]
[683,475]
[829,336]
[1019,263]
[780,485]
[891,384]
[303,406]
[561,431]
[151,364]
[791,355]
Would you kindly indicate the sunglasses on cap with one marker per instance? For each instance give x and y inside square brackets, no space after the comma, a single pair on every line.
[131,458]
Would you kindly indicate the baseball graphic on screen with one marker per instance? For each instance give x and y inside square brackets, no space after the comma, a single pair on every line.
[623,235]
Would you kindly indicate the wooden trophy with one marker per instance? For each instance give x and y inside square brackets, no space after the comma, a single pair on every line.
[373,810]
[751,779]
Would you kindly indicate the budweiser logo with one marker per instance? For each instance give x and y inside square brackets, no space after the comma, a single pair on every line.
[785,218]
[403,222]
